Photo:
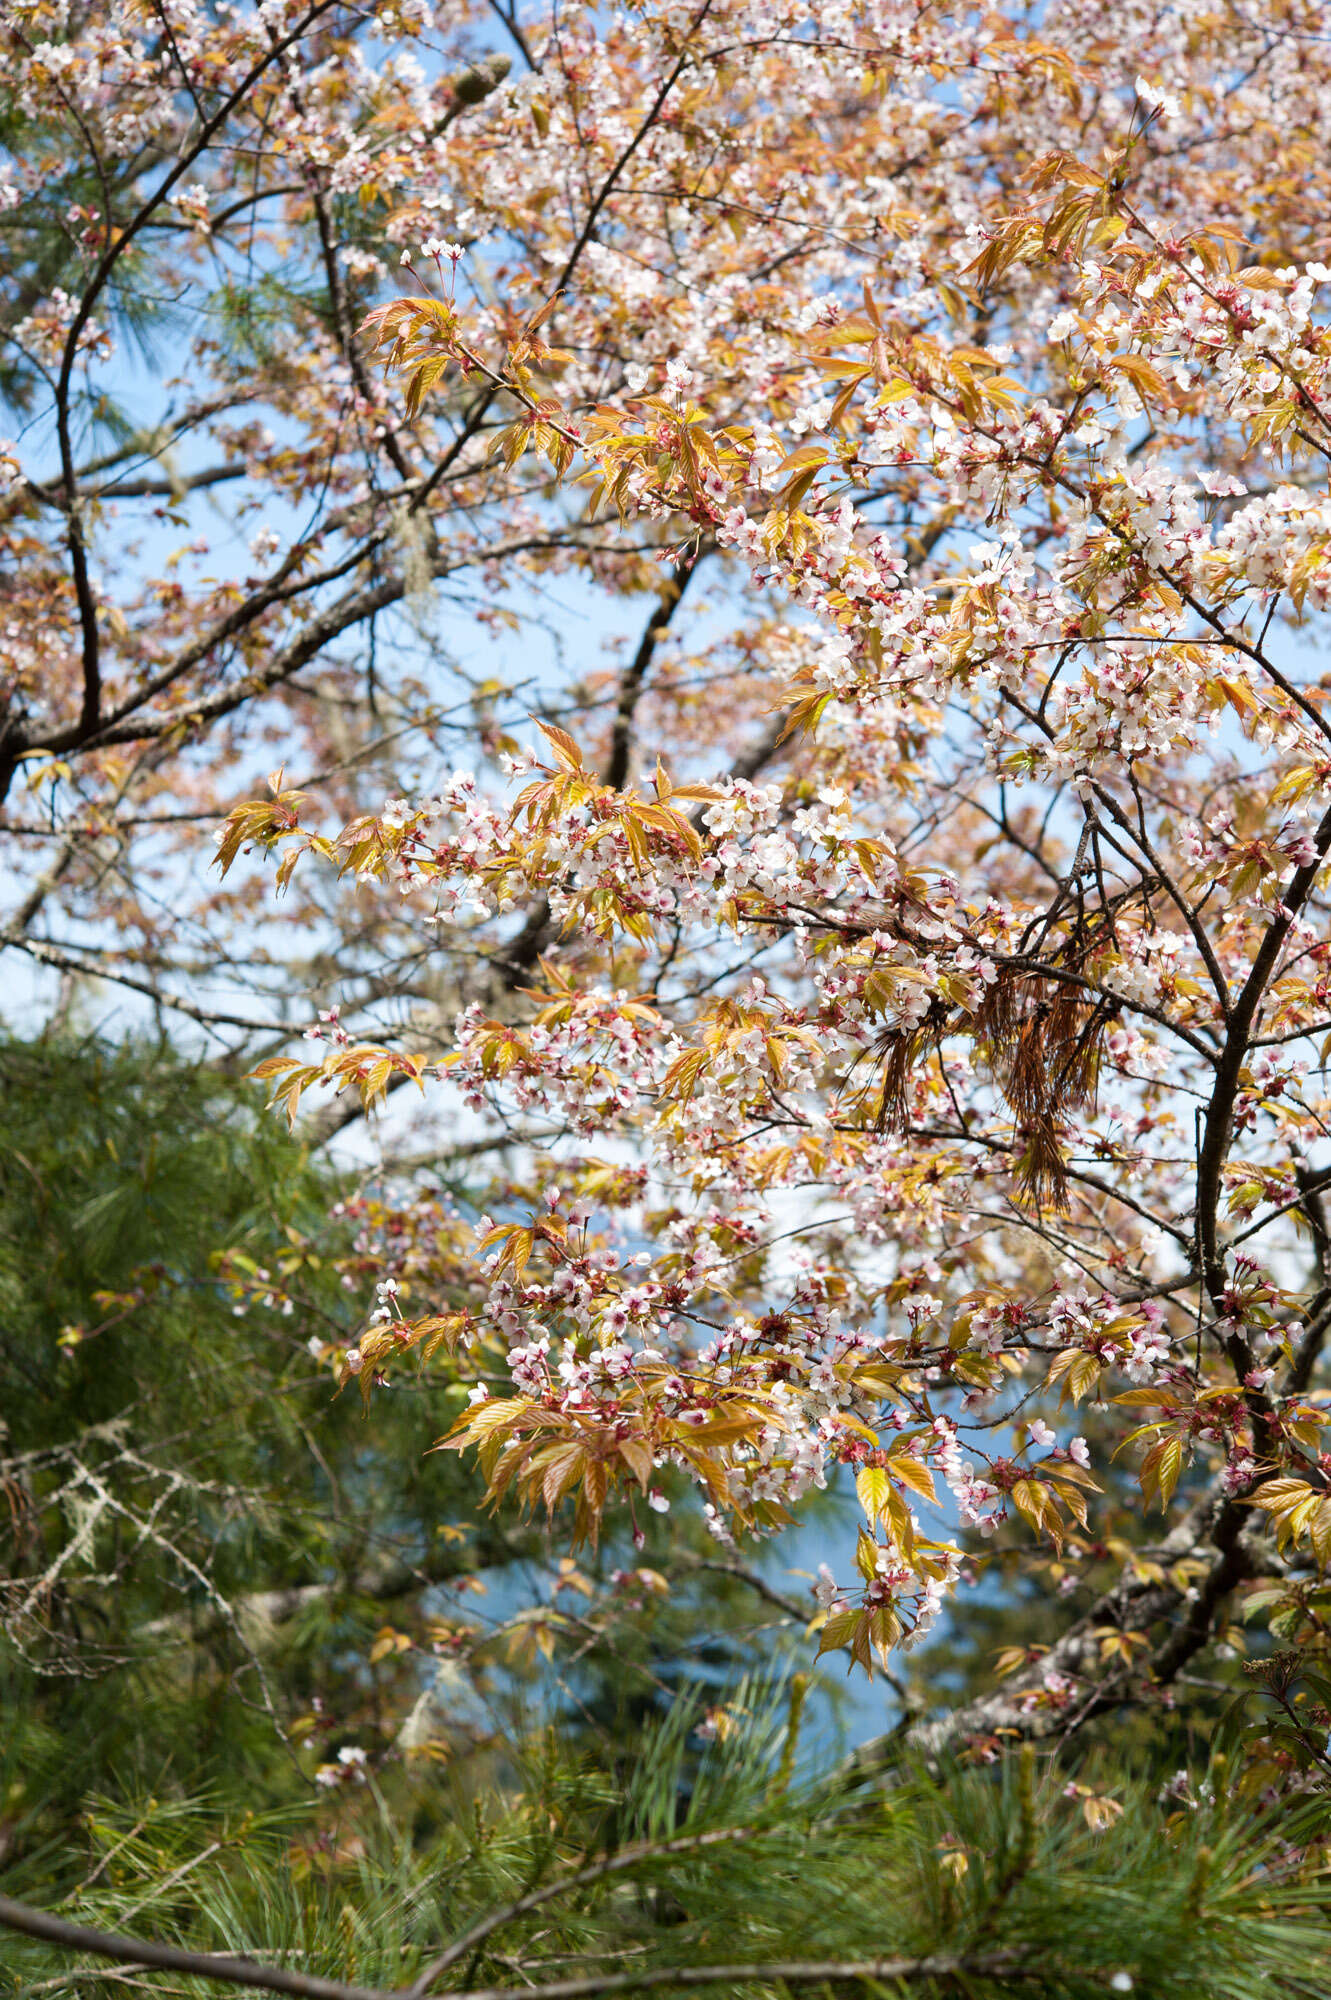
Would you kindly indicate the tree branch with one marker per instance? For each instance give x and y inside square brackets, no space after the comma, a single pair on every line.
[65,961]
[1219,1532]
[631,682]
[33,1923]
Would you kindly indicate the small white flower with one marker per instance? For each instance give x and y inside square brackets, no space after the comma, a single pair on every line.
[825,1589]
[1159,100]
[1220,483]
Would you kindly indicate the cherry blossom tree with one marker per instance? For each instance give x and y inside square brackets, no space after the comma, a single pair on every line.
[902,967]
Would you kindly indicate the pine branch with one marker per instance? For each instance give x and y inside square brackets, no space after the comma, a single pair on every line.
[41,1924]
[34,1923]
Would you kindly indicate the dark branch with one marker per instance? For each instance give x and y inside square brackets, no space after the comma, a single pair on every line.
[275,1979]
[167,1958]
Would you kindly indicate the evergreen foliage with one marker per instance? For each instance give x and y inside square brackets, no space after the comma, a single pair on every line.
[165,1520]
[213,1571]
[1011,1880]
